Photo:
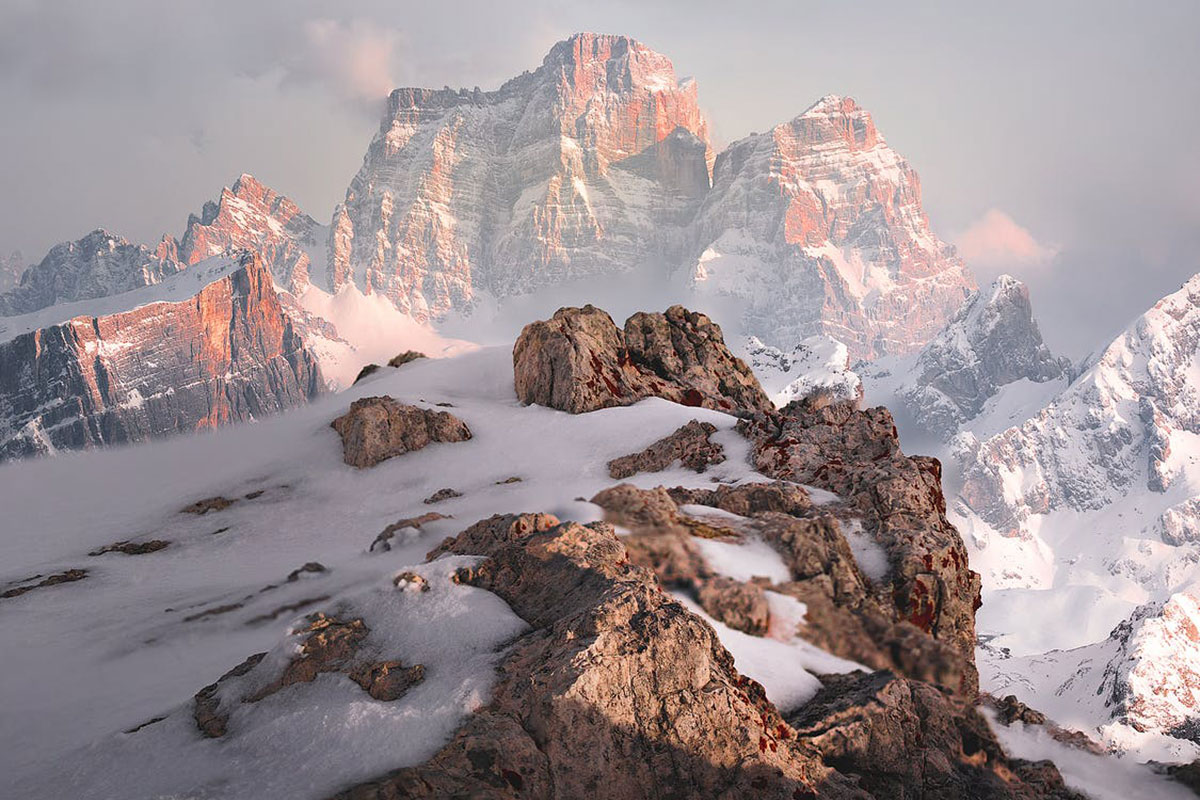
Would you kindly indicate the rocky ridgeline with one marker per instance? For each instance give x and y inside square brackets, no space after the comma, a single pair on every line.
[616,688]
[228,354]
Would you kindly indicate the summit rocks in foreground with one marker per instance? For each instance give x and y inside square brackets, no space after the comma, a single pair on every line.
[619,691]
[580,361]
[378,428]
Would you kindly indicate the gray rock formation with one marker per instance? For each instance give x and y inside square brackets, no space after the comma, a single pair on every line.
[991,342]
[228,354]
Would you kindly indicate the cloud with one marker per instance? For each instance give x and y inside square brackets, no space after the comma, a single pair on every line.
[995,241]
[355,59]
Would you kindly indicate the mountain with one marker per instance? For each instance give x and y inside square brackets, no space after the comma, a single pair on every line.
[1138,686]
[98,265]
[816,365]
[228,353]
[1083,520]
[987,364]
[1126,425]
[290,625]
[596,164]
[588,166]
[252,216]
[816,226]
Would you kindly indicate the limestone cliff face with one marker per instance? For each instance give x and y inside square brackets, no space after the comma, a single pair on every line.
[590,165]
[251,216]
[817,226]
[228,354]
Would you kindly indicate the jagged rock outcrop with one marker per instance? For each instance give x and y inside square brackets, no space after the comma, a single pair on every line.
[847,613]
[902,738]
[378,428]
[817,227]
[251,216]
[98,265]
[690,446]
[1110,433]
[228,354]
[856,454]
[620,691]
[579,361]
[991,342]
[589,165]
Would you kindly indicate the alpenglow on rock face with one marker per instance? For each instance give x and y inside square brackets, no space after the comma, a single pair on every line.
[817,226]
[589,165]
[991,342]
[252,216]
[229,353]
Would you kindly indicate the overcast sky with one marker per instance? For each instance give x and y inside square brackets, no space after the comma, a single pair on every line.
[1057,141]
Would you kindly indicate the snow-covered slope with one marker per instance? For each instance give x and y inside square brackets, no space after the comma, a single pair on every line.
[1082,520]
[141,634]
[818,364]
[816,227]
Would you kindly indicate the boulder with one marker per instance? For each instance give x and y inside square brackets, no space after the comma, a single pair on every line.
[689,445]
[378,428]
[579,361]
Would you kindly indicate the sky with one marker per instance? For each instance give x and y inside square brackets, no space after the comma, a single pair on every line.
[1055,141]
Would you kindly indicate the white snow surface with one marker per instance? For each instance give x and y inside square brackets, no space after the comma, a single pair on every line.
[89,659]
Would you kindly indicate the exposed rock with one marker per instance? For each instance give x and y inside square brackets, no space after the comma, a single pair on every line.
[580,361]
[215,611]
[287,608]
[591,165]
[387,680]
[442,494]
[856,454]
[847,614]
[690,446]
[98,265]
[411,581]
[309,568]
[67,576]
[228,354]
[132,548]
[252,216]
[210,719]
[383,542]
[378,428]
[816,227]
[991,342]
[741,606]
[618,689]
[1009,710]
[903,738]
[201,507]
[330,644]
[366,371]
[405,357]
[509,480]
